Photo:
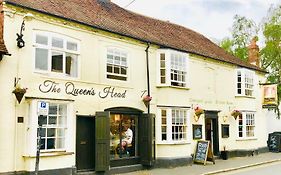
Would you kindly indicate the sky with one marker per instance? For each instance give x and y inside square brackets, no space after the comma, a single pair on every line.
[212,18]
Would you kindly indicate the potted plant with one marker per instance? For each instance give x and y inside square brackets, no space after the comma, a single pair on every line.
[224,153]
[146,100]
[236,113]
[19,93]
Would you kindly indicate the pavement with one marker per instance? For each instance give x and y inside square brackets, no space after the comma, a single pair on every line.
[219,167]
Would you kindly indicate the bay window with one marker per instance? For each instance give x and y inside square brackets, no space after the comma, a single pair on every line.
[246,125]
[173,124]
[172,68]
[56,54]
[245,82]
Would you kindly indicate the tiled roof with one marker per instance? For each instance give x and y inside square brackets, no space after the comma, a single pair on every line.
[3,49]
[108,16]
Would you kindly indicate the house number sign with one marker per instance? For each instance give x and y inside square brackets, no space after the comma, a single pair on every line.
[49,86]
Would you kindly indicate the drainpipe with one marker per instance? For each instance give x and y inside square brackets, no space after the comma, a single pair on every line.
[147,74]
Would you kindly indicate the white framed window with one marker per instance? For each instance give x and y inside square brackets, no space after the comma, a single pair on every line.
[56,54]
[245,82]
[246,125]
[57,127]
[172,68]
[54,127]
[174,125]
[116,64]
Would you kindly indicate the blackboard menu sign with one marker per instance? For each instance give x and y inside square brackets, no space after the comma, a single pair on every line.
[201,152]
[274,142]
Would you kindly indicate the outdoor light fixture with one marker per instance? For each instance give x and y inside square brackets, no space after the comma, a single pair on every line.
[20,41]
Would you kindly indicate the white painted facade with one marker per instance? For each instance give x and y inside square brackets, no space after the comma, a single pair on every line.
[210,84]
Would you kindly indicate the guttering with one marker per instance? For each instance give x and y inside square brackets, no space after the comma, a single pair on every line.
[147,76]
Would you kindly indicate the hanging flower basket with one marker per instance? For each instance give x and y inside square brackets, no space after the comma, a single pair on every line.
[146,100]
[19,93]
[197,113]
[235,114]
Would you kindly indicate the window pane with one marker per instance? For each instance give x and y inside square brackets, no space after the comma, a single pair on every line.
[71,46]
[61,133]
[41,59]
[40,39]
[42,143]
[57,42]
[62,121]
[50,143]
[53,109]
[57,62]
[71,66]
[51,132]
[60,143]
[43,132]
[109,69]
[52,120]
[42,119]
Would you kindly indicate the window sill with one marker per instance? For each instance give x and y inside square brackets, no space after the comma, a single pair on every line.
[50,154]
[244,96]
[247,139]
[176,87]
[55,75]
[174,143]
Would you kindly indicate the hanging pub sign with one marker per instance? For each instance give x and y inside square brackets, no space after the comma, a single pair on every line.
[270,95]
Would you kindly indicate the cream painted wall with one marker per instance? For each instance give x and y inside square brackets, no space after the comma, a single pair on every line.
[211,86]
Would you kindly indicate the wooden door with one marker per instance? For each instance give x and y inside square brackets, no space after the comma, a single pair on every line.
[85,143]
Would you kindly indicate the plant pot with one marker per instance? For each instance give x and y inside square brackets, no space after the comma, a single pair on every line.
[19,96]
[224,155]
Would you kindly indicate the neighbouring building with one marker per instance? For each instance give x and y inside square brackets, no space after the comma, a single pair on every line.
[112,88]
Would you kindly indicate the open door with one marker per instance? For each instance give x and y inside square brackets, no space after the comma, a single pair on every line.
[102,141]
[147,139]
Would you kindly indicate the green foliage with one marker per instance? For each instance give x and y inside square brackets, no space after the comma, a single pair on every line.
[243,30]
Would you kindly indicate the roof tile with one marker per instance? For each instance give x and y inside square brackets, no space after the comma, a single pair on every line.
[109,16]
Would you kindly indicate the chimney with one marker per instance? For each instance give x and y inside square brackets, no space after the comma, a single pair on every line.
[253,53]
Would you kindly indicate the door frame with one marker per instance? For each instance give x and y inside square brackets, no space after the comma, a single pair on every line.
[213,116]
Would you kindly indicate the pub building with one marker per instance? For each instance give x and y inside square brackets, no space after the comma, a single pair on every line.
[116,91]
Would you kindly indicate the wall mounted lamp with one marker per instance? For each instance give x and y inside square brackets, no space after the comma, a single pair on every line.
[20,41]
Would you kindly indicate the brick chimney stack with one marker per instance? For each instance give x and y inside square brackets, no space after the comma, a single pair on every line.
[253,53]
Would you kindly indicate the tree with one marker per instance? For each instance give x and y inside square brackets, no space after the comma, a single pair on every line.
[242,31]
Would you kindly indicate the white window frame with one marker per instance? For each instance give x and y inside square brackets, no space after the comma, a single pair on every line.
[248,119]
[50,49]
[47,127]
[247,82]
[182,68]
[168,124]
[119,76]
[32,124]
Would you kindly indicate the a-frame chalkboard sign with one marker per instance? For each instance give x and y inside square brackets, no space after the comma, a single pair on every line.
[203,152]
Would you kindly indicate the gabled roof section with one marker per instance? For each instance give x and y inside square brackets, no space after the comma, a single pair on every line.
[105,15]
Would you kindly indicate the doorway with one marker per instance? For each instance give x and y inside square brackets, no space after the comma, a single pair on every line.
[85,143]
[211,130]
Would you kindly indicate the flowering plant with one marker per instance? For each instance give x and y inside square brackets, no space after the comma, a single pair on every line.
[235,113]
[198,111]
[146,99]
[19,93]
[19,90]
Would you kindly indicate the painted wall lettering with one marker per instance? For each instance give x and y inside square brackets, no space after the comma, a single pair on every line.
[49,86]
